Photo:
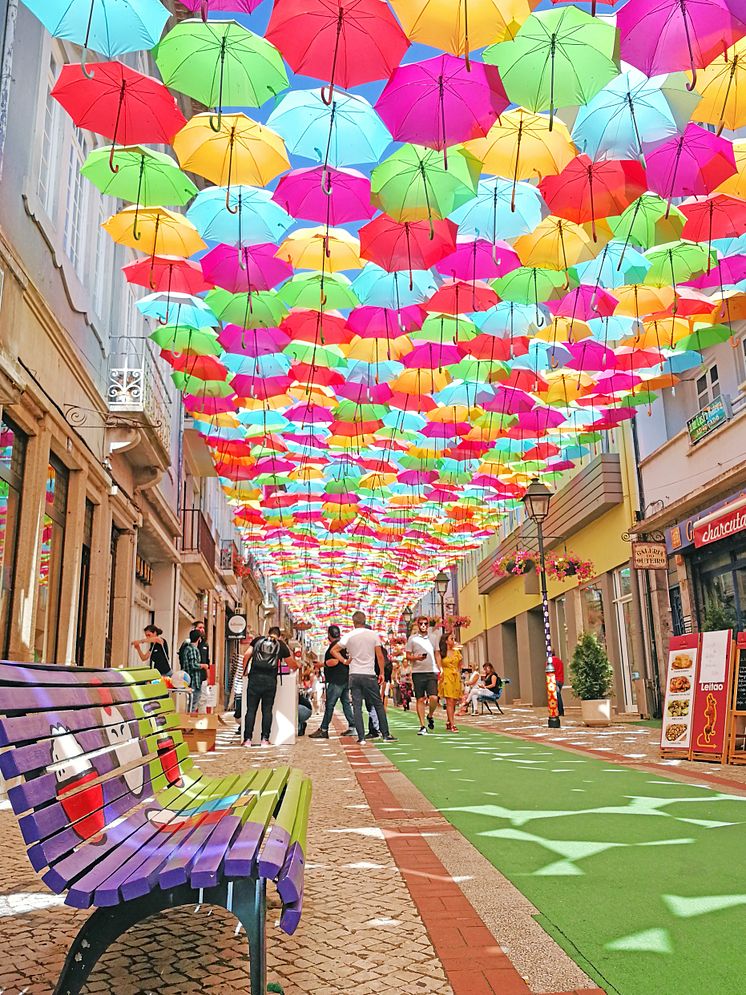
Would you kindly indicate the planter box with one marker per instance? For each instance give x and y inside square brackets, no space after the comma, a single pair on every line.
[596,712]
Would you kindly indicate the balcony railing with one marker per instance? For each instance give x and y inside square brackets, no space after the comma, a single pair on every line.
[230,558]
[196,536]
[136,386]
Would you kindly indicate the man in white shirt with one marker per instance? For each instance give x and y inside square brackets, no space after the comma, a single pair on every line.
[425,673]
[363,647]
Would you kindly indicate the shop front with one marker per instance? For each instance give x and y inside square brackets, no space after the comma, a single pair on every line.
[710,556]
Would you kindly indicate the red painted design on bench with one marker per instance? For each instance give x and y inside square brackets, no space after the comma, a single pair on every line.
[82,805]
[169,759]
[126,749]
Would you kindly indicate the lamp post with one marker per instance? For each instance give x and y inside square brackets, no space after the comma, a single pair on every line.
[441,586]
[408,615]
[536,502]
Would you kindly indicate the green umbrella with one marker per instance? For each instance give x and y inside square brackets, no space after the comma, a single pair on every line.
[316,355]
[143,176]
[648,221]
[314,290]
[559,58]
[677,262]
[202,388]
[351,411]
[185,340]
[478,370]
[446,329]
[413,184]
[703,337]
[530,285]
[221,64]
[260,309]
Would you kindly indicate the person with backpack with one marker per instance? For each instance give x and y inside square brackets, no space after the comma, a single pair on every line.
[262,660]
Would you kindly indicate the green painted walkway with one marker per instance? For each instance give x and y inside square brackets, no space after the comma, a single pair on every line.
[639,878]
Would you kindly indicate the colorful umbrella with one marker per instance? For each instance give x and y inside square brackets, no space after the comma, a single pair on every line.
[325,194]
[413,183]
[154,230]
[460,26]
[240,215]
[691,164]
[408,246]
[722,85]
[167,273]
[587,191]
[251,267]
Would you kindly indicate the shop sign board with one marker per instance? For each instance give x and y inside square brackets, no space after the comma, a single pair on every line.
[716,527]
[236,626]
[712,416]
[649,556]
[710,713]
[676,731]
[681,535]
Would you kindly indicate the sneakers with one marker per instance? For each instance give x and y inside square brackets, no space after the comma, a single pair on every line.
[266,742]
[361,742]
[422,732]
[320,734]
[246,743]
[373,735]
[349,732]
[430,723]
[390,739]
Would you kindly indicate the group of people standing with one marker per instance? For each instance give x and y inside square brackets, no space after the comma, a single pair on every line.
[194,657]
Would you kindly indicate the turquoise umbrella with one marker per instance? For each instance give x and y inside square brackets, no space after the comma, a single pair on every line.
[177,309]
[376,287]
[491,215]
[257,218]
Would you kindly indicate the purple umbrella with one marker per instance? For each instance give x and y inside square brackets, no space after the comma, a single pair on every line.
[690,165]
[428,355]
[441,102]
[732,269]
[324,194]
[479,260]
[590,355]
[235,6]
[661,36]
[245,270]
[252,342]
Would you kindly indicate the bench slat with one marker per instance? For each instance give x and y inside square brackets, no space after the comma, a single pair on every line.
[277,840]
[291,915]
[242,854]
[290,880]
[54,674]
[29,698]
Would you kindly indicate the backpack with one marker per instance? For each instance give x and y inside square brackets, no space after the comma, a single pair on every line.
[266,657]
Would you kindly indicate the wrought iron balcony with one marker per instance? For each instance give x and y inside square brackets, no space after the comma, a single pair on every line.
[136,387]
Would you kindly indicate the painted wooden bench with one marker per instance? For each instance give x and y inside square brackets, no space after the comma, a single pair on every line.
[116,816]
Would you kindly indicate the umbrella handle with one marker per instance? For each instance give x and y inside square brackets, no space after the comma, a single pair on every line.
[326,182]
[88,74]
[113,166]
[219,117]
[203,10]
[340,23]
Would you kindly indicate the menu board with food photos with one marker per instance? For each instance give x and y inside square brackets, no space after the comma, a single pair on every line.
[710,718]
[683,655]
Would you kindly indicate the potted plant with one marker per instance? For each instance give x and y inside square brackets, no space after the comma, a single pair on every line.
[592,680]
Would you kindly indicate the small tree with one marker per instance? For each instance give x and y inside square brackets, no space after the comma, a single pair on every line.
[592,675]
[718,616]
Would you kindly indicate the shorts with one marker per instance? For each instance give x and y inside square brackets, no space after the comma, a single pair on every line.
[425,685]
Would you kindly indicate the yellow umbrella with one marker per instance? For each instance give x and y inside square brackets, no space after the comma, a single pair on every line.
[562,329]
[327,249]
[564,387]
[636,300]
[520,146]
[735,185]
[377,350]
[306,473]
[459,26]
[241,151]
[159,232]
[661,334]
[723,87]
[419,382]
[449,413]
[558,244]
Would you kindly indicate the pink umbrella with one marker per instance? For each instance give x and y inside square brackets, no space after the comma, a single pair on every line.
[539,420]
[381,322]
[418,477]
[441,102]
[309,414]
[479,260]
[661,36]
[209,405]
[692,164]
[326,195]
[584,303]
[245,270]
[732,269]
[252,342]
[234,6]
[590,355]
[510,401]
[429,355]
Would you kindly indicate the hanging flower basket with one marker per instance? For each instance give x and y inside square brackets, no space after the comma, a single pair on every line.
[523,561]
[560,566]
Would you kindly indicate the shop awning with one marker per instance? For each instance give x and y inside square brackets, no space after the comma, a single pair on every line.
[721,524]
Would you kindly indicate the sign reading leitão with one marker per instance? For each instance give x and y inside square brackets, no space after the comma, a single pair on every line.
[236,626]
[712,416]
[649,556]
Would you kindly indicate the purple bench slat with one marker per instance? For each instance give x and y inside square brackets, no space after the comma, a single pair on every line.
[36,674]
[240,859]
[30,698]
[206,866]
[141,879]
[290,881]
[273,852]
[290,916]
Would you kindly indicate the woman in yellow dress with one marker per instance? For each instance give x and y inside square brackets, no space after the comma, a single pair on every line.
[449,684]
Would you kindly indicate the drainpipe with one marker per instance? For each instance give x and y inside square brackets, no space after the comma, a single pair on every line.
[7,40]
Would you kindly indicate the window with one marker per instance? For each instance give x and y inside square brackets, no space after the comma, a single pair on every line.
[50,563]
[48,186]
[593,613]
[12,463]
[708,387]
[76,209]
[85,576]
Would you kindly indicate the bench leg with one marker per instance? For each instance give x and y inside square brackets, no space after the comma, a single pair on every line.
[250,907]
[105,925]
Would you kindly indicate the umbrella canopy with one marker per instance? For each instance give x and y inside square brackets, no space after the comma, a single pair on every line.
[587,191]
[238,215]
[415,184]
[251,267]
[722,85]
[460,26]
[691,164]
[154,230]
[325,194]
[239,151]
[141,175]
[410,245]
[107,26]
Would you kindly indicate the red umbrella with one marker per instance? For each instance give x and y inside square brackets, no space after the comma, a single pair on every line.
[460,297]
[718,216]
[202,367]
[316,326]
[587,190]
[167,274]
[493,348]
[347,42]
[409,245]
[119,103]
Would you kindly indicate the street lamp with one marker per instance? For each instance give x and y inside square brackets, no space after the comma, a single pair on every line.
[536,502]
[441,586]
[408,615]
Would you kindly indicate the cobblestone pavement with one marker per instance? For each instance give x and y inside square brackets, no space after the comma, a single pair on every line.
[360,932]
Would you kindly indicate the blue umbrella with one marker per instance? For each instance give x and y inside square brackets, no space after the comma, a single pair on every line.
[613,123]
[257,219]
[111,27]
[614,328]
[678,362]
[489,215]
[177,309]
[471,394]
[348,132]
[372,373]
[508,319]
[273,365]
[616,265]
[375,287]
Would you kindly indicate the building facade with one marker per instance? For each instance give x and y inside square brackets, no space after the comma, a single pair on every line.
[111,516]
